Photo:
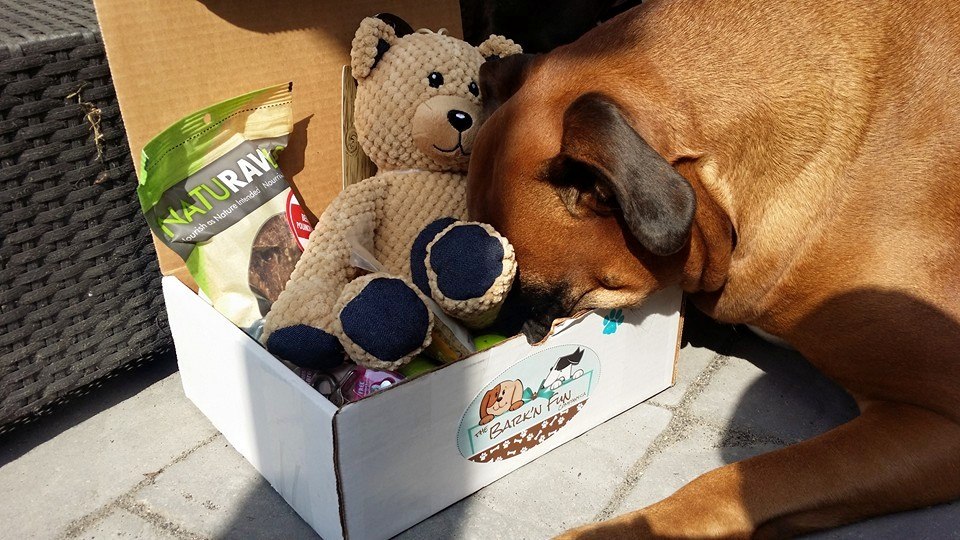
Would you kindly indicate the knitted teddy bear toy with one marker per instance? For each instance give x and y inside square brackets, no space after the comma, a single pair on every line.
[416,116]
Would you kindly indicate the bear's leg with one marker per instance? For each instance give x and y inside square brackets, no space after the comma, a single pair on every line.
[306,346]
[418,253]
[382,321]
[470,269]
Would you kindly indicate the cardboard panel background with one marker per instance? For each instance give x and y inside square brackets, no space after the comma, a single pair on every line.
[171,57]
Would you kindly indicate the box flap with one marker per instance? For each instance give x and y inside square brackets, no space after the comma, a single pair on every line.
[172,57]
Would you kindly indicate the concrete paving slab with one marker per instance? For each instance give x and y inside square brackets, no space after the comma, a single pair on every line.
[123,524]
[475,518]
[772,391]
[936,523]
[90,464]
[697,451]
[215,493]
[691,363]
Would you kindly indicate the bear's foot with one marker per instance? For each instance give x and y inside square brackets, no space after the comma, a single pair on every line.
[470,269]
[382,321]
[306,347]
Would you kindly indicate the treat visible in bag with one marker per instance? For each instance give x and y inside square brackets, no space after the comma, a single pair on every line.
[211,190]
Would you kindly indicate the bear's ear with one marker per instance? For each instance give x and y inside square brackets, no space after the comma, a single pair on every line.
[374,38]
[498,47]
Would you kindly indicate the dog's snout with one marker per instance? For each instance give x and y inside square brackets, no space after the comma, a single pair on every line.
[460,120]
[541,308]
[536,330]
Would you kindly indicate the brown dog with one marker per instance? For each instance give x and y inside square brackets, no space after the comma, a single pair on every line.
[792,165]
[504,397]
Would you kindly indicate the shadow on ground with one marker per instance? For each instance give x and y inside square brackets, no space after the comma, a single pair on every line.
[83,404]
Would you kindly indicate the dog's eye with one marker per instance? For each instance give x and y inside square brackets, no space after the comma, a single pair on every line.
[580,188]
[600,200]
[435,79]
[604,197]
[474,89]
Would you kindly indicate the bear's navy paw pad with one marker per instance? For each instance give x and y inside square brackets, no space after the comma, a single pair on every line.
[306,347]
[387,319]
[467,261]
[418,253]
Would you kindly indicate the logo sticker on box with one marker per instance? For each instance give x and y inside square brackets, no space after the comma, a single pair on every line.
[528,403]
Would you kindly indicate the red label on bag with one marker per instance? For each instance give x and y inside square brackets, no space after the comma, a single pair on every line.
[297,219]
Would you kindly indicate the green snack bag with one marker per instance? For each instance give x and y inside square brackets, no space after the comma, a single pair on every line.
[211,190]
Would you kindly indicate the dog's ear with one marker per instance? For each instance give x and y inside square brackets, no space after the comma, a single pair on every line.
[500,78]
[488,399]
[373,39]
[607,165]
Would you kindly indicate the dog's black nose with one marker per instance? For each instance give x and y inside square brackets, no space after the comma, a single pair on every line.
[536,330]
[460,120]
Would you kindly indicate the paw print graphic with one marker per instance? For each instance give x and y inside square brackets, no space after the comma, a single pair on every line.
[612,320]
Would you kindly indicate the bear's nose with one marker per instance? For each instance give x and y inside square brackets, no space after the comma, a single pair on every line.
[460,120]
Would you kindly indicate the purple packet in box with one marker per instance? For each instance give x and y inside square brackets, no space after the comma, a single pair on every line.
[361,382]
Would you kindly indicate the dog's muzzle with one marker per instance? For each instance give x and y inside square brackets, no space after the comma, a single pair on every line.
[538,308]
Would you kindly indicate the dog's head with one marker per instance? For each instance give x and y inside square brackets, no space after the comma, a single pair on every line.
[498,399]
[597,217]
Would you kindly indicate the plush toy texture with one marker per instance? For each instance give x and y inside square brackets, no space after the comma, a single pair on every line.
[416,115]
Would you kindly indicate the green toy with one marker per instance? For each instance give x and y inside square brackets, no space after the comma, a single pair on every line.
[486,341]
[417,366]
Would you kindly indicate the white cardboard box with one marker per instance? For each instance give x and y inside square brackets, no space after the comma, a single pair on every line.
[376,467]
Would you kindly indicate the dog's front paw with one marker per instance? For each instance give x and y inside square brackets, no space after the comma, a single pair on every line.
[470,269]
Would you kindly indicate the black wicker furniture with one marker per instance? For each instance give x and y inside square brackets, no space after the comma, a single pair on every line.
[79,283]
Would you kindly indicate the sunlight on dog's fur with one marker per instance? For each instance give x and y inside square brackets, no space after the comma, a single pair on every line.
[792,165]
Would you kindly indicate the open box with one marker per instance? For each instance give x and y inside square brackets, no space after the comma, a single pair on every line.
[377,466]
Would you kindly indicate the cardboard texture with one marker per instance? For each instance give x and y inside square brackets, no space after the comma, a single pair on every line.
[172,57]
[380,465]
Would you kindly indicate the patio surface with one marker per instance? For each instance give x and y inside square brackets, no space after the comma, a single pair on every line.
[135,459]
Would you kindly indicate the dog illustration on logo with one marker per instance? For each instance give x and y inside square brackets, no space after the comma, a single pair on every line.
[505,396]
[567,368]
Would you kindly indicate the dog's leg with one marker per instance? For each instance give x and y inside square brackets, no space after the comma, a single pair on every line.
[892,457]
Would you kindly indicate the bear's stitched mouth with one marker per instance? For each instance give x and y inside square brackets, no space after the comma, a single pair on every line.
[459,146]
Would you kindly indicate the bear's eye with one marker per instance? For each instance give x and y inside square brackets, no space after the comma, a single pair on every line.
[473,88]
[435,79]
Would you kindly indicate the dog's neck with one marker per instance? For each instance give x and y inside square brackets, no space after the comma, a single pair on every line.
[706,265]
